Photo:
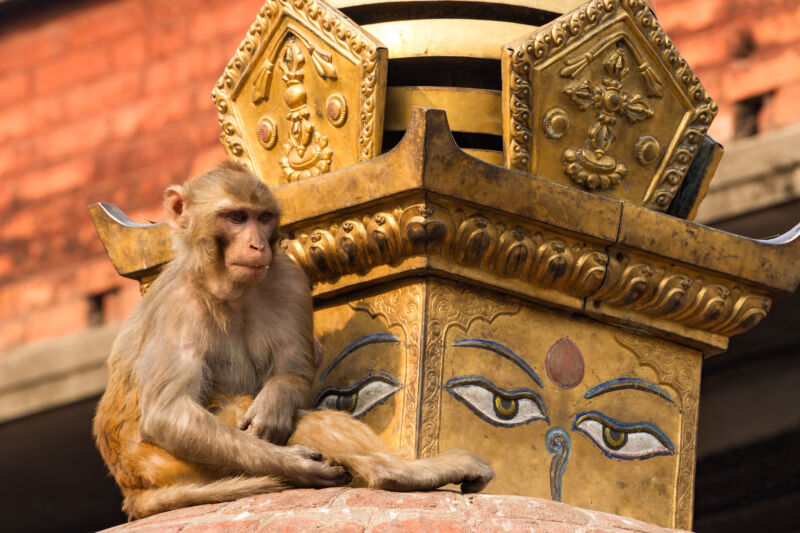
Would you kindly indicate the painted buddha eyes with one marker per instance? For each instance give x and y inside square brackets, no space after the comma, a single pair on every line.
[359,398]
[495,405]
[619,440]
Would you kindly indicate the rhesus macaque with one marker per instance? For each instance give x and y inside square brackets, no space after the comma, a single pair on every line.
[210,377]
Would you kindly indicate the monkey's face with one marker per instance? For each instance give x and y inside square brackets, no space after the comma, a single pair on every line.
[245,237]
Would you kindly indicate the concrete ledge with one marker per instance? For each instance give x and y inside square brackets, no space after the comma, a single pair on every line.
[54,372]
[365,510]
[755,173]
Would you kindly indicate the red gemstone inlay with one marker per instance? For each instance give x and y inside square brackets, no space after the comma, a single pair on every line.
[564,364]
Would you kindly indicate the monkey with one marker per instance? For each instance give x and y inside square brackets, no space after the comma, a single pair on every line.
[209,379]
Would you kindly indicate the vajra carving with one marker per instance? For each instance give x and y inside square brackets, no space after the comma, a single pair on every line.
[307,152]
[595,167]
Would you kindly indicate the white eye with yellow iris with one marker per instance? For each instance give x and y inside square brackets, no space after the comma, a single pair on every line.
[359,398]
[619,440]
[495,405]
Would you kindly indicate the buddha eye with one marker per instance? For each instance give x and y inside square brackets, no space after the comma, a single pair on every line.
[361,397]
[639,440]
[495,405]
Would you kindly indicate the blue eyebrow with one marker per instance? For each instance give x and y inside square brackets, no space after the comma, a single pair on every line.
[628,383]
[502,351]
[358,344]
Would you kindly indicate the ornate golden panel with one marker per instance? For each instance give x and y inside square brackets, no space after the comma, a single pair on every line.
[600,99]
[562,407]
[304,93]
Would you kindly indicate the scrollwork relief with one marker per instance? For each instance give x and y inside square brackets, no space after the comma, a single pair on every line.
[681,373]
[470,239]
[666,292]
[403,308]
[449,307]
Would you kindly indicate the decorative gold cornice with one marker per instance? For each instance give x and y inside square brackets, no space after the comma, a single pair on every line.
[525,55]
[509,248]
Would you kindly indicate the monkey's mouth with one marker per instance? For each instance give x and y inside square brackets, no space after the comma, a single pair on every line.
[255,267]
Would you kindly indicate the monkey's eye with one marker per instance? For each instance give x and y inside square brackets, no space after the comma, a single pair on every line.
[495,405]
[238,216]
[616,439]
[361,397]
[265,217]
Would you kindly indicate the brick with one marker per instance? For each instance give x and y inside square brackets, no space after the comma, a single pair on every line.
[207,159]
[499,525]
[244,526]
[29,44]
[403,500]
[173,33]
[16,85]
[20,225]
[103,95]
[56,179]
[172,71]
[295,524]
[29,117]
[75,67]
[526,508]
[35,293]
[227,19]
[762,74]
[777,28]
[129,53]
[785,106]
[286,500]
[420,525]
[72,138]
[672,14]
[90,28]
[56,321]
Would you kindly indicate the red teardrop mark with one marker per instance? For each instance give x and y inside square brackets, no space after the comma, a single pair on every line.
[564,364]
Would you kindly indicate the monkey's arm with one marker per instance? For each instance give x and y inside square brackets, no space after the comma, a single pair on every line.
[173,419]
[271,416]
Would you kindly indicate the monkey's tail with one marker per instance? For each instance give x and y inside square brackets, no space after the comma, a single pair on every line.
[146,502]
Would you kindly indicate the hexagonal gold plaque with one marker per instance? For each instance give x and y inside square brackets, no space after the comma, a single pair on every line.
[299,97]
[604,94]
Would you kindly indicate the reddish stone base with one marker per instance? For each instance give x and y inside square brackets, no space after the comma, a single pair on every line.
[349,510]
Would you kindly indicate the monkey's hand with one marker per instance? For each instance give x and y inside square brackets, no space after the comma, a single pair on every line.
[306,468]
[271,415]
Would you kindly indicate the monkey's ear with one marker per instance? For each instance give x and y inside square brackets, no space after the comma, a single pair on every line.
[175,205]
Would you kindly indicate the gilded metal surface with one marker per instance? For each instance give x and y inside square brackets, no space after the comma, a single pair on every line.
[601,78]
[473,110]
[446,37]
[136,250]
[301,61]
[433,365]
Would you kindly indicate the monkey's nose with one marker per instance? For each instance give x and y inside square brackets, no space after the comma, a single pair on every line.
[257,247]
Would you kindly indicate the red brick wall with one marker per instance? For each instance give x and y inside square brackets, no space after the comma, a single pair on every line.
[708,34]
[108,101]
[103,101]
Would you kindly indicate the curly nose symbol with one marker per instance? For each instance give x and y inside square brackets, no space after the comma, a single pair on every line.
[557,443]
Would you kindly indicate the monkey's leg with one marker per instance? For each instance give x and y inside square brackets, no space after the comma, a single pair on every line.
[146,502]
[346,441]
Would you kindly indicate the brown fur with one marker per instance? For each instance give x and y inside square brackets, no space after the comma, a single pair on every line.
[212,371]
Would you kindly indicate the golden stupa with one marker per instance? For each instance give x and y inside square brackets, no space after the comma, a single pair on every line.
[493,202]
